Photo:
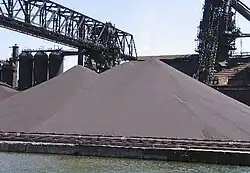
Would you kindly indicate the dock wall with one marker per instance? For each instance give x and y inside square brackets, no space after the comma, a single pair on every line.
[224,153]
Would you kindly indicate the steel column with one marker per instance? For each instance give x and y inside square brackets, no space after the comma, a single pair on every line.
[80,56]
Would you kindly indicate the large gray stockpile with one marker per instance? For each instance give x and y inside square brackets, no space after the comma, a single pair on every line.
[30,108]
[6,91]
[135,99]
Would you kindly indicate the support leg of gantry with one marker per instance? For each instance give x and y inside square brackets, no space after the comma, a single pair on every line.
[80,56]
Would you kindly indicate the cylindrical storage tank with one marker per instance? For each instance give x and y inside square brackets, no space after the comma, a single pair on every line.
[25,71]
[7,73]
[55,64]
[41,61]
[1,72]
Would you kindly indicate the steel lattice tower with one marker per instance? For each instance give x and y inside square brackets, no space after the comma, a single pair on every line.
[215,44]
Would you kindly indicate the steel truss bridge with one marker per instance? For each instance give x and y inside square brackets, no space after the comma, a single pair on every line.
[217,35]
[101,43]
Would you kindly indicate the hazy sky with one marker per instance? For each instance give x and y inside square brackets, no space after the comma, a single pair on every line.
[159,26]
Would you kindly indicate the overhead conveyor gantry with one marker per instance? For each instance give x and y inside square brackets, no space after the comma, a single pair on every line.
[98,41]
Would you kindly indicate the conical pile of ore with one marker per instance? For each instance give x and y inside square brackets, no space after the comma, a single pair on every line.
[145,98]
[6,91]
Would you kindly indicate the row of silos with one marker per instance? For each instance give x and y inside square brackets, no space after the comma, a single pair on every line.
[34,70]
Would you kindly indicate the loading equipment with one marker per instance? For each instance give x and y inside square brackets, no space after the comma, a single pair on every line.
[217,35]
[101,43]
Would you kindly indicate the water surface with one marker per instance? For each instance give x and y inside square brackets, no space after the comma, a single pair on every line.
[31,163]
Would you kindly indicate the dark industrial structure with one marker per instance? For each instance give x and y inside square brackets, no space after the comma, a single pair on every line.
[55,64]
[187,64]
[8,68]
[44,65]
[103,45]
[25,70]
[6,72]
[217,35]
[41,61]
[233,80]
[32,67]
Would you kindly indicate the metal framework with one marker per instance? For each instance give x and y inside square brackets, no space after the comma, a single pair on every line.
[59,50]
[214,43]
[241,8]
[48,20]
[217,35]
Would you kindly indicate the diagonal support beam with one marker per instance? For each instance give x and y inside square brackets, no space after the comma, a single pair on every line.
[241,8]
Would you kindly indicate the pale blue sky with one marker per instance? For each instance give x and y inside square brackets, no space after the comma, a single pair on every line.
[159,26]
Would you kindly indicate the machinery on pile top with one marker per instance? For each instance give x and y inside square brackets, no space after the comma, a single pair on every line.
[217,35]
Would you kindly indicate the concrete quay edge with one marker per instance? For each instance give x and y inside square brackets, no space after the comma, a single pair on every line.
[221,157]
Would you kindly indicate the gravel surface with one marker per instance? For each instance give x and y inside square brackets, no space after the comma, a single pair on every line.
[33,106]
[6,91]
[147,98]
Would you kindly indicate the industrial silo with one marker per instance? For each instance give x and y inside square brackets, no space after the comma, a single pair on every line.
[40,68]
[1,71]
[25,71]
[55,64]
[7,73]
